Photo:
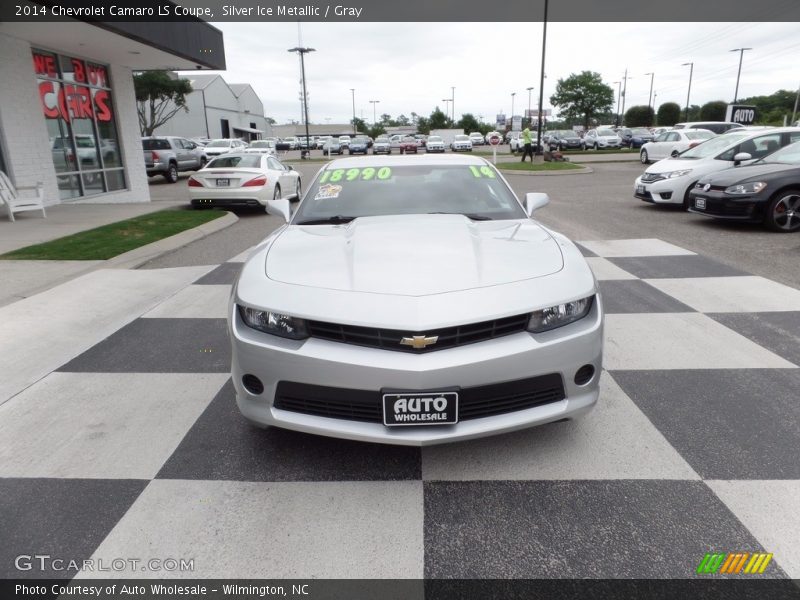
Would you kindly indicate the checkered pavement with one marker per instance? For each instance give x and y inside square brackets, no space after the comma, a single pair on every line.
[135,448]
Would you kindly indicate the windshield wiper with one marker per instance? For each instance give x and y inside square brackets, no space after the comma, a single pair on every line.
[334,220]
[472,216]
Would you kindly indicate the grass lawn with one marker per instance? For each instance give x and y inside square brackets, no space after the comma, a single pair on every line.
[116,238]
[547,166]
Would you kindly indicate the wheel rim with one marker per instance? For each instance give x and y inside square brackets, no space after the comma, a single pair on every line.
[643,156]
[173,174]
[299,189]
[276,195]
[786,214]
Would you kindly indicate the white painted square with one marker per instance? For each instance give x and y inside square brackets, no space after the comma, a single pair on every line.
[243,256]
[614,441]
[731,294]
[769,510]
[605,270]
[680,341]
[101,425]
[634,247]
[194,302]
[297,530]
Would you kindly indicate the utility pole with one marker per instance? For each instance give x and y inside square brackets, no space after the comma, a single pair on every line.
[530,119]
[512,109]
[541,81]
[796,98]
[624,90]
[650,97]
[303,52]
[453,101]
[353,91]
[446,106]
[741,54]
[619,95]
[374,102]
[689,91]
[655,114]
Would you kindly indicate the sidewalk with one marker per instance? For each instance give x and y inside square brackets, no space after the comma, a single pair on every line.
[23,278]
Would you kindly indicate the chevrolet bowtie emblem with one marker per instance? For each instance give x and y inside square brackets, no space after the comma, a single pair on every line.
[419,341]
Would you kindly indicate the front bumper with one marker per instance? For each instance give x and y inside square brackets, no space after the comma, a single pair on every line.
[318,362]
[720,205]
[663,191]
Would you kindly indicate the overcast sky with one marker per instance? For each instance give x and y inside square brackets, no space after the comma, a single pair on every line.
[412,66]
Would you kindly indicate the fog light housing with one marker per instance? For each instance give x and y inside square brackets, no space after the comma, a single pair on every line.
[252,384]
[584,375]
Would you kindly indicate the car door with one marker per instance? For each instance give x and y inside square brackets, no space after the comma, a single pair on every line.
[191,154]
[283,175]
[674,143]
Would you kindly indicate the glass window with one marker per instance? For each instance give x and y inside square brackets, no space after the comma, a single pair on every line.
[248,161]
[76,102]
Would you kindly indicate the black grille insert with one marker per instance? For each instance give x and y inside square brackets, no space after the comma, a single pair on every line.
[365,405]
[389,339]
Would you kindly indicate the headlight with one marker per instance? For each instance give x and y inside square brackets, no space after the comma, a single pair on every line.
[746,188]
[274,323]
[673,174]
[559,315]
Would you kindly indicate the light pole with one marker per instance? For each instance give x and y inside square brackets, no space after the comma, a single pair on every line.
[650,97]
[619,95]
[353,92]
[453,102]
[741,54]
[655,95]
[446,107]
[374,102]
[689,91]
[530,119]
[624,92]
[512,109]
[303,52]
[541,81]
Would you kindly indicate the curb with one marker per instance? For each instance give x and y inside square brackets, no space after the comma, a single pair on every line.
[139,256]
[582,171]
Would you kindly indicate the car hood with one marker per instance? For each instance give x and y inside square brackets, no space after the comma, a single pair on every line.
[413,255]
[750,172]
[666,165]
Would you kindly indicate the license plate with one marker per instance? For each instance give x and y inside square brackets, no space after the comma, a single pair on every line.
[700,203]
[223,182]
[420,408]
[640,189]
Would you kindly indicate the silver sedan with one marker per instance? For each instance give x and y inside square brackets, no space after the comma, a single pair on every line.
[414,301]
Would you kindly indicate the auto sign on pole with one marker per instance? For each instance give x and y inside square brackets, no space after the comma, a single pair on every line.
[494,140]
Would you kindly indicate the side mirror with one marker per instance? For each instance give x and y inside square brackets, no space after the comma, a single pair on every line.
[535,201]
[280,208]
[740,157]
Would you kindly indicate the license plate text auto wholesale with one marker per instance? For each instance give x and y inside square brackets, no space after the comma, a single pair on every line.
[420,408]
[223,182]
[700,203]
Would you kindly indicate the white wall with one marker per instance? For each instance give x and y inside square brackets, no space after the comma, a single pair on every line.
[26,145]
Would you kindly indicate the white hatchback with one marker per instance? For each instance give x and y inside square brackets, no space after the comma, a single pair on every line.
[668,181]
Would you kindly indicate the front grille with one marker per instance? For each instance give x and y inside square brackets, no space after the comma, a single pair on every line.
[389,339]
[729,209]
[366,405]
[651,177]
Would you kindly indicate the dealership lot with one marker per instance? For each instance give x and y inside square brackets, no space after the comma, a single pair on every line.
[133,446]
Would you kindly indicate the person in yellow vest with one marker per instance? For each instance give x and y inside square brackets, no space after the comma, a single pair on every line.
[528,144]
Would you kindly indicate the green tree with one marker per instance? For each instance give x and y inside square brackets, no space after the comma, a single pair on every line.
[439,120]
[376,131]
[639,116]
[771,109]
[713,111]
[423,125]
[403,121]
[386,120]
[582,95]
[360,125]
[669,113]
[469,123]
[159,97]
[270,120]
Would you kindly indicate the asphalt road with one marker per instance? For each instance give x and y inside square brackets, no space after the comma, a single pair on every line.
[595,206]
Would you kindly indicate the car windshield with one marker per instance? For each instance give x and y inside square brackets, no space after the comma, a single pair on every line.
[218,144]
[712,147]
[606,132]
[241,161]
[640,132]
[339,195]
[462,138]
[361,140]
[382,140]
[698,134]
[789,155]
[434,138]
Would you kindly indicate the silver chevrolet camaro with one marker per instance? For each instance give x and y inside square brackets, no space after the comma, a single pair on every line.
[413,300]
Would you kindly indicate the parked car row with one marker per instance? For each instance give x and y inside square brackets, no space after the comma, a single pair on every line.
[743,175]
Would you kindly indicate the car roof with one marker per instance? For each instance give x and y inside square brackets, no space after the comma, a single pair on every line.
[399,161]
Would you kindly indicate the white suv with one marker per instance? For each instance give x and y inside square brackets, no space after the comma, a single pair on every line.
[668,181]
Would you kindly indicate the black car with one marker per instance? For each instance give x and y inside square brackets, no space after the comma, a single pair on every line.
[635,137]
[766,191]
[565,140]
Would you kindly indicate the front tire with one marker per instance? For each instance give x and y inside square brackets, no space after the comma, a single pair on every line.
[171,175]
[299,190]
[783,211]
[643,157]
[596,147]
[686,200]
[276,195]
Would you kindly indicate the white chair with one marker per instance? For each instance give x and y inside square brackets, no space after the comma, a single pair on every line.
[15,202]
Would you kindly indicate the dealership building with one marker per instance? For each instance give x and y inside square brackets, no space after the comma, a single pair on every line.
[67,107]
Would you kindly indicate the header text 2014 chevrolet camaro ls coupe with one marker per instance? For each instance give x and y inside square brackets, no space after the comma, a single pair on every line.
[413,300]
